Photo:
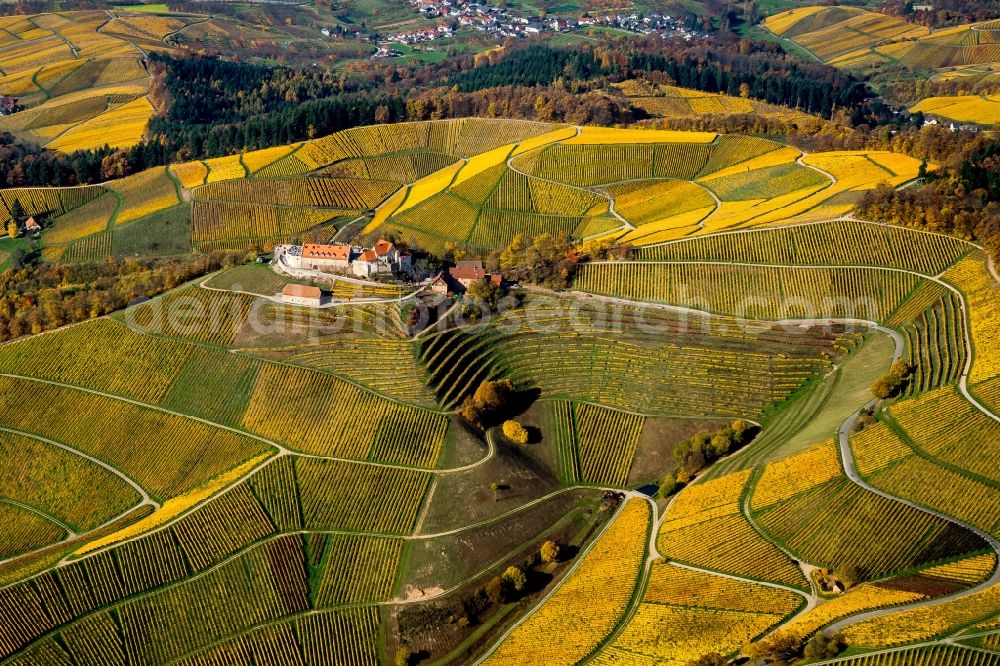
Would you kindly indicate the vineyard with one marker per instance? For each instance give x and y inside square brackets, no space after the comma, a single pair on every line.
[706,528]
[214,475]
[478,183]
[672,102]
[586,606]
[983,298]
[686,613]
[853,38]
[84,86]
[596,444]
[936,347]
[657,363]
[983,110]
[756,292]
[930,424]
[929,583]
[837,243]
[155,370]
[801,520]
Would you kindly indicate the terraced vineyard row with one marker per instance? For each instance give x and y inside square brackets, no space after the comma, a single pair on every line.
[341,357]
[325,414]
[706,528]
[47,200]
[343,193]
[936,346]
[595,165]
[186,617]
[910,626]
[398,168]
[172,373]
[61,484]
[241,225]
[755,292]
[943,424]
[230,544]
[678,375]
[943,655]
[906,537]
[685,614]
[595,445]
[198,451]
[842,242]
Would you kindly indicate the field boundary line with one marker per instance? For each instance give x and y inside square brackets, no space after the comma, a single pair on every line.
[143,493]
[70,532]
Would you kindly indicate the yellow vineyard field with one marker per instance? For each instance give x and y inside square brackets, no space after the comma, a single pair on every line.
[588,605]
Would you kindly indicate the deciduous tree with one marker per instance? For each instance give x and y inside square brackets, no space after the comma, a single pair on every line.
[549,551]
[514,578]
[515,432]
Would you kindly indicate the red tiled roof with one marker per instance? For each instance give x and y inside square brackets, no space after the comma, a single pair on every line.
[31,223]
[320,251]
[468,270]
[368,255]
[383,247]
[301,291]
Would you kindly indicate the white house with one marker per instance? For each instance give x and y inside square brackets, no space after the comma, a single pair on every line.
[383,258]
[317,256]
[340,258]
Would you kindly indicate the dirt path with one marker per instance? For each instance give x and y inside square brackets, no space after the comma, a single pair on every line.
[850,469]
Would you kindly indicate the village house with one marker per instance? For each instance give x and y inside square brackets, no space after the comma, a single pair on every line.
[32,225]
[383,258]
[439,285]
[466,273]
[300,294]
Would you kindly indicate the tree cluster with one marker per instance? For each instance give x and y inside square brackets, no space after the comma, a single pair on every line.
[481,299]
[718,65]
[943,205]
[787,648]
[489,403]
[556,102]
[824,647]
[40,297]
[219,108]
[710,659]
[546,259]
[694,454]
[507,586]
[894,381]
[945,12]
